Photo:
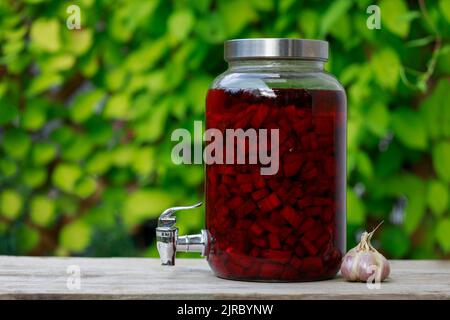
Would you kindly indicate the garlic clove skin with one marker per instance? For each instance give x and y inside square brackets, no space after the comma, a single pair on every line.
[347,266]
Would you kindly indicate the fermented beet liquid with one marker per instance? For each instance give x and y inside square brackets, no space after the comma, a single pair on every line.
[289,226]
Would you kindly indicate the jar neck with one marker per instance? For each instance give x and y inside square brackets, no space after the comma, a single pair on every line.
[262,65]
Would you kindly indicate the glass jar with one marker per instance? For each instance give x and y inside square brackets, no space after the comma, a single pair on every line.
[287,226]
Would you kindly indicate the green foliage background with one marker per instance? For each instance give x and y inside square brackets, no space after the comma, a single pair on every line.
[86,116]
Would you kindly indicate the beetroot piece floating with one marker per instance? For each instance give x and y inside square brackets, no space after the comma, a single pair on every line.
[287,226]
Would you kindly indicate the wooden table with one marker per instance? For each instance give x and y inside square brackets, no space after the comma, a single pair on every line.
[139,278]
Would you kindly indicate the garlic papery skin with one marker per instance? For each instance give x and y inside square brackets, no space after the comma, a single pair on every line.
[364,262]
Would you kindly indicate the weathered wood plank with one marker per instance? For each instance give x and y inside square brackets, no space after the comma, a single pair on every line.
[138,278]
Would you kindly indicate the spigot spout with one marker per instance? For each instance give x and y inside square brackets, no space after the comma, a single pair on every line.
[168,241]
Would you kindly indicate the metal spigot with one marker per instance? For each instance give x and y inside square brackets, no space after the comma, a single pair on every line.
[168,241]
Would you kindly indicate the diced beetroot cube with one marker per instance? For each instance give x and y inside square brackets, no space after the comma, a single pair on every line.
[269,203]
[271,271]
[322,241]
[259,242]
[306,225]
[277,255]
[324,125]
[285,233]
[246,188]
[300,251]
[322,202]
[244,224]
[305,202]
[234,268]
[274,184]
[235,202]
[289,273]
[256,229]
[291,216]
[244,178]
[291,240]
[259,194]
[246,208]
[225,169]
[309,171]
[296,262]
[274,243]
[312,264]
[260,115]
[255,252]
[309,247]
[259,182]
[228,180]
[313,211]
[267,225]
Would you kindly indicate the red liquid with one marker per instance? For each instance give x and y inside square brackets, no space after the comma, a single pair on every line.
[289,226]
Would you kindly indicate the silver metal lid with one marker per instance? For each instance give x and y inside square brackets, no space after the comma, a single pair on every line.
[276,48]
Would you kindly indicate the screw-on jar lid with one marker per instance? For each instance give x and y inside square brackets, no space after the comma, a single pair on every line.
[276,48]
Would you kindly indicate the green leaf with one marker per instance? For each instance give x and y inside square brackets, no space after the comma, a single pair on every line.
[78,42]
[379,117]
[85,105]
[10,204]
[437,197]
[16,143]
[410,129]
[144,161]
[58,62]
[85,187]
[43,82]
[394,15]
[444,6]
[8,167]
[394,241]
[117,107]
[441,160]
[355,209]
[236,14]
[99,130]
[180,23]
[146,56]
[333,13]
[42,211]
[436,110]
[443,234]
[45,35]
[77,149]
[146,203]
[34,177]
[99,163]
[308,22]
[65,176]
[43,152]
[152,127]
[34,117]
[75,237]
[8,110]
[386,68]
[26,238]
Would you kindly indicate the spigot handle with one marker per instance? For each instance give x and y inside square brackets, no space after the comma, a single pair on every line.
[168,241]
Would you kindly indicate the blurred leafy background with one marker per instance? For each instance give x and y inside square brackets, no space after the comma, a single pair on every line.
[86,116]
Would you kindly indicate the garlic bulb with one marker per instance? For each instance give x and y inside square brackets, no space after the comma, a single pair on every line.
[364,262]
